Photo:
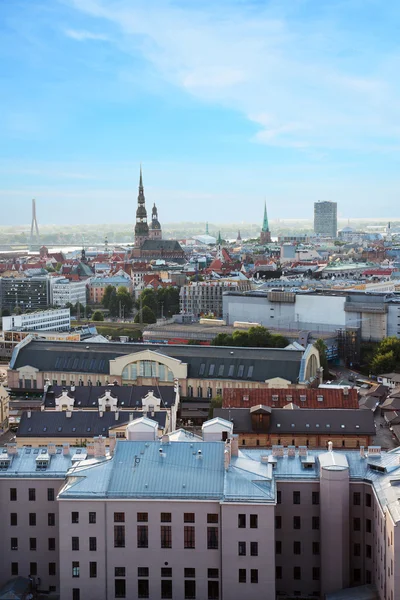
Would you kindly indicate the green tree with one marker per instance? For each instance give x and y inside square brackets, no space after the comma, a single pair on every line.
[222,339]
[107,296]
[5,312]
[321,347]
[148,298]
[146,315]
[97,316]
[17,310]
[386,358]
[214,403]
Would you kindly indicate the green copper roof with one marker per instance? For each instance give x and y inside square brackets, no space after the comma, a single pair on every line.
[265,226]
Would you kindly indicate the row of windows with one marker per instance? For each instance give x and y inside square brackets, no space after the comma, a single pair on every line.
[357,499]
[297,573]
[189,537]
[357,525]
[298,548]
[297,497]
[32,494]
[297,522]
[253,521]
[33,570]
[51,544]
[165,517]
[143,588]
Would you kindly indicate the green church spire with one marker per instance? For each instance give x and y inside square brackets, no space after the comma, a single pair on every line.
[265,226]
[219,240]
[207,233]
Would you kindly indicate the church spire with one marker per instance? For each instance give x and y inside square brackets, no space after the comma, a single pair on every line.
[207,233]
[265,237]
[265,226]
[141,227]
[140,178]
[219,240]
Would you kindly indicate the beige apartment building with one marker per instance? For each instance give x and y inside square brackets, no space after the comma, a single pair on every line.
[200,519]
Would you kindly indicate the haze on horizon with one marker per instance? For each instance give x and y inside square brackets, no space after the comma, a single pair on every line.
[225,104]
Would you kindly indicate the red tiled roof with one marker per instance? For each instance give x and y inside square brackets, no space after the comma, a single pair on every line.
[332,398]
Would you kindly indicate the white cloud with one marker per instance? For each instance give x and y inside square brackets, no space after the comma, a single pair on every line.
[319,90]
[83,35]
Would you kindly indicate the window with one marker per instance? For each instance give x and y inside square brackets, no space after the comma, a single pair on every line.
[14,543]
[357,574]
[278,572]
[356,498]
[315,573]
[76,594]
[278,547]
[50,494]
[356,524]
[253,521]
[13,494]
[212,518]
[189,536]
[254,575]
[315,497]
[190,572]
[368,551]
[32,519]
[213,590]
[119,517]
[296,497]
[242,575]
[143,588]
[166,588]
[253,548]
[14,568]
[241,521]
[190,589]
[52,544]
[212,538]
[52,568]
[33,568]
[120,589]
[92,544]
[278,522]
[74,517]
[143,517]
[166,572]
[368,500]
[188,518]
[166,536]
[51,519]
[315,522]
[296,547]
[75,569]
[368,577]
[75,543]
[142,536]
[165,517]
[13,519]
[212,573]
[296,573]
[32,494]
[315,548]
[357,549]
[92,517]
[120,571]
[296,522]
[93,569]
[279,497]
[32,544]
[242,548]
[368,525]
[119,536]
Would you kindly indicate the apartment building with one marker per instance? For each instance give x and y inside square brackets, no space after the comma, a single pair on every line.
[98,286]
[205,297]
[325,218]
[28,293]
[44,320]
[200,519]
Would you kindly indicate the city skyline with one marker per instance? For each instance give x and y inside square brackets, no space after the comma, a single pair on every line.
[203,96]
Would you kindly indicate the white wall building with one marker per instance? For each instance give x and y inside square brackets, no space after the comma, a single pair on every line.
[46,320]
[63,291]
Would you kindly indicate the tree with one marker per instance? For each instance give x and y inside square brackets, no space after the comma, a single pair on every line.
[107,296]
[17,311]
[97,316]
[148,298]
[5,312]
[386,358]
[146,315]
[255,337]
[320,345]
[214,403]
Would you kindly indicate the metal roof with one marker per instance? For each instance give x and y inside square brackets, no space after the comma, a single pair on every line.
[303,397]
[129,396]
[56,424]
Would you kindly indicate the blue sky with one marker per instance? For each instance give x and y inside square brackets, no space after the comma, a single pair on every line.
[224,102]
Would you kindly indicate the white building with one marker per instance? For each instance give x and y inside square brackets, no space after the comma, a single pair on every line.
[45,320]
[63,291]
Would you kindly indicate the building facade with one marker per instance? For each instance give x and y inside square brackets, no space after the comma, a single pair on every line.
[26,293]
[325,219]
[63,291]
[200,519]
[46,320]
[205,297]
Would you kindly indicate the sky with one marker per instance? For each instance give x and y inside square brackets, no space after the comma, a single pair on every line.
[226,103]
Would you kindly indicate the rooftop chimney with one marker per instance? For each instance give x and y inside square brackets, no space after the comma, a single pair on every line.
[330,446]
[51,448]
[29,414]
[90,448]
[235,445]
[68,414]
[99,446]
[66,449]
[227,458]
[11,449]
[116,415]
[362,451]
[113,440]
[165,439]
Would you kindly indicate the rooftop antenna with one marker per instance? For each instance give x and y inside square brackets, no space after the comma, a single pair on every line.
[34,225]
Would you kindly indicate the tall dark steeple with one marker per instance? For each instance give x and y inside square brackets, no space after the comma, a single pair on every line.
[265,236]
[141,227]
[155,227]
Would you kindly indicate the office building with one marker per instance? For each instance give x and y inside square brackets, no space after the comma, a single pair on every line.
[26,293]
[63,292]
[325,219]
[44,320]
